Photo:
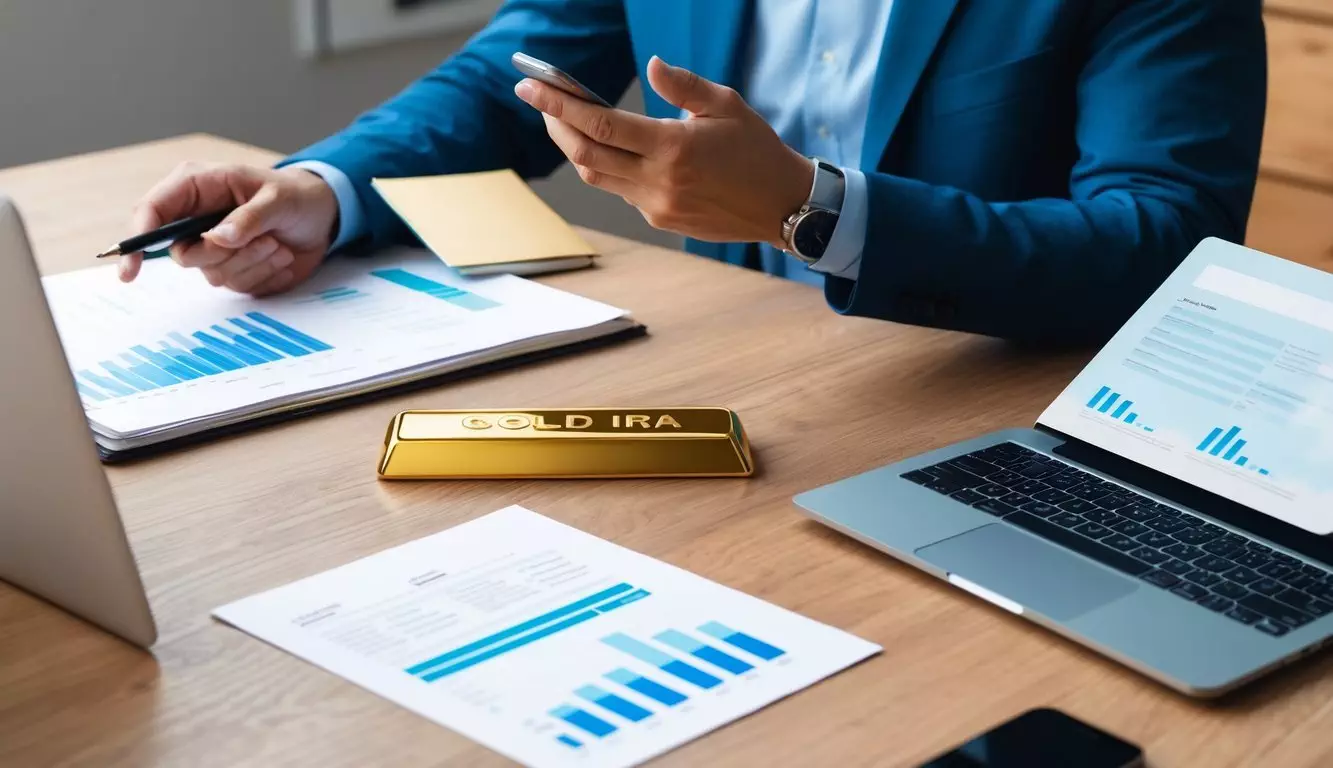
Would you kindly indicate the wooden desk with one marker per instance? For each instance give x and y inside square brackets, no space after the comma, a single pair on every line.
[823,397]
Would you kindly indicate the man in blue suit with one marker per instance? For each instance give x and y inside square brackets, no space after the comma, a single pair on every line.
[1025,170]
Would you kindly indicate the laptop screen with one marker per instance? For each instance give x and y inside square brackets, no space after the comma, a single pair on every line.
[1222,379]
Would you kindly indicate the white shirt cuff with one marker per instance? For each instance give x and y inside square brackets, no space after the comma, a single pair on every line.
[351,217]
[842,258]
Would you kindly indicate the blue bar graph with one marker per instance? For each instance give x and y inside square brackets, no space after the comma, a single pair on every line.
[1107,399]
[1226,444]
[613,703]
[742,641]
[632,597]
[518,629]
[456,296]
[1220,445]
[341,293]
[569,741]
[668,664]
[1263,471]
[1207,441]
[650,688]
[1233,450]
[683,642]
[584,721]
[191,356]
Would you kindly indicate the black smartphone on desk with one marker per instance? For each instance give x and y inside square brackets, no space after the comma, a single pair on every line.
[1042,738]
[535,68]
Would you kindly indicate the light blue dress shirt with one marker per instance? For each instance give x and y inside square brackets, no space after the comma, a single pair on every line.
[809,69]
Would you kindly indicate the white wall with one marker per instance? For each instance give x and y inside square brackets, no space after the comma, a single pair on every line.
[82,75]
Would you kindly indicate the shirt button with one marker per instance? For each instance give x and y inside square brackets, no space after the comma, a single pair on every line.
[824,132]
[828,57]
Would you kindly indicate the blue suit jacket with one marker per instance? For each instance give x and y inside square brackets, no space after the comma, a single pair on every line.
[1035,170]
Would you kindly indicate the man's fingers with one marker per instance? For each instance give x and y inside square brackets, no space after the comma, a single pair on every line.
[249,221]
[246,281]
[192,190]
[281,281]
[584,152]
[129,266]
[199,254]
[262,248]
[690,92]
[612,127]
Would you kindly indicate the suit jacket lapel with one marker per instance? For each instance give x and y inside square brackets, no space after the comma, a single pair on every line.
[915,29]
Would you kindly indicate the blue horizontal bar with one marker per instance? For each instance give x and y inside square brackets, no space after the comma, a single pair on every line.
[1097,398]
[640,684]
[1221,445]
[1233,450]
[218,359]
[1108,402]
[252,347]
[1120,411]
[741,640]
[275,341]
[569,741]
[472,661]
[137,382]
[669,664]
[1242,461]
[1130,419]
[708,653]
[110,385]
[166,363]
[1207,441]
[632,597]
[613,703]
[151,372]
[89,393]
[518,629]
[286,330]
[584,721]
[230,350]
[1263,471]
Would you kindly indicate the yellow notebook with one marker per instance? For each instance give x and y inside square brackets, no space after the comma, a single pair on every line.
[486,223]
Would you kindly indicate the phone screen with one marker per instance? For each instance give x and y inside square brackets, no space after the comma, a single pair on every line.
[1042,738]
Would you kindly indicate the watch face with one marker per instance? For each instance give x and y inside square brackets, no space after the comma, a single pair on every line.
[813,233]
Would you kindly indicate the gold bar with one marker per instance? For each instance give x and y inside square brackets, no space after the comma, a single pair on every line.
[566,443]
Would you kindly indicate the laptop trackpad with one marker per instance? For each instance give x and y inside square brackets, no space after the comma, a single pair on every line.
[1028,570]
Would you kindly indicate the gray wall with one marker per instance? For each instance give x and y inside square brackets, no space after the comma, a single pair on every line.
[83,75]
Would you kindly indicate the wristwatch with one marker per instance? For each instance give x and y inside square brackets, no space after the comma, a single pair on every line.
[807,232]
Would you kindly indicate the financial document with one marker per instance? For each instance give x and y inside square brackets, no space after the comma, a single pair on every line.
[169,351]
[1224,379]
[547,644]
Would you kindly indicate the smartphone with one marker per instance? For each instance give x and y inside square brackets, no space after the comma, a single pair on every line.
[1042,738]
[553,76]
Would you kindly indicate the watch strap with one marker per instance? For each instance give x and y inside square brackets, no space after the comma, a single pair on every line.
[829,188]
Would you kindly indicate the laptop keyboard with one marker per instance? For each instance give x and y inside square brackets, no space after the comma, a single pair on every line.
[1186,555]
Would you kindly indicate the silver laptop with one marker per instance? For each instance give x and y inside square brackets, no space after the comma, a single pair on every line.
[1172,508]
[61,538]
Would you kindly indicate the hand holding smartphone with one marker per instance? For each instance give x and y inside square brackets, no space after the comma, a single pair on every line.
[553,76]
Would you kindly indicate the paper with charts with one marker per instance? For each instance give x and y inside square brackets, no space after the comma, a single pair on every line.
[547,644]
[169,354]
[1224,379]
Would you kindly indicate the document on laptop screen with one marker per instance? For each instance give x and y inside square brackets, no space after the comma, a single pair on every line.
[1223,379]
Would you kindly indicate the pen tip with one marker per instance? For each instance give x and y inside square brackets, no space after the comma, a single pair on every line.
[108,253]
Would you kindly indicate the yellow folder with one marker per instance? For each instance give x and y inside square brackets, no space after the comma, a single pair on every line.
[486,223]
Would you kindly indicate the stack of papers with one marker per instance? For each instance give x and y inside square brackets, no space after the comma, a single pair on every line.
[170,356]
[546,643]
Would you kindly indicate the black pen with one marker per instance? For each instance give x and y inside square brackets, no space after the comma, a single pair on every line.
[156,243]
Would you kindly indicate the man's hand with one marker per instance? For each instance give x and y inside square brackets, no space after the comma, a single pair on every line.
[721,174]
[275,239]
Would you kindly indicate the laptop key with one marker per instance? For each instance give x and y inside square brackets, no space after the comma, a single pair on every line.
[1252,559]
[1093,530]
[1067,520]
[1166,524]
[1088,492]
[1078,506]
[1030,487]
[1052,496]
[1121,542]
[1216,603]
[1161,579]
[1184,551]
[1156,540]
[1014,499]
[1319,589]
[1190,591]
[1222,548]
[1065,480]
[1257,547]
[1006,478]
[992,489]
[1191,521]
[1268,626]
[1214,563]
[1286,559]
[1178,567]
[1311,570]
[1131,528]
[1301,601]
[975,466]
[1040,508]
[1205,578]
[995,507]
[1194,536]
[967,496]
[1279,612]
[1298,580]
[1037,470]
[1084,546]
[1243,615]
[1102,516]
[1270,587]
[918,477]
[1275,570]
[1139,512]
[1116,501]
[1149,555]
[1241,575]
[1229,589]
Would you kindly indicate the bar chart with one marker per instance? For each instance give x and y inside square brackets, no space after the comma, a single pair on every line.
[254,340]
[602,712]
[456,296]
[336,295]
[1118,407]
[1226,444]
